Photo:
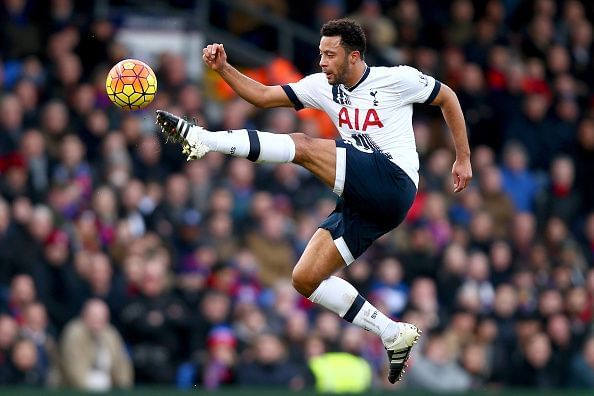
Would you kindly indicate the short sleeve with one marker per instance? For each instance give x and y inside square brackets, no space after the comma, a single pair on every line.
[415,87]
[305,92]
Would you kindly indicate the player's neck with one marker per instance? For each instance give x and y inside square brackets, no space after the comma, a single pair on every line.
[357,74]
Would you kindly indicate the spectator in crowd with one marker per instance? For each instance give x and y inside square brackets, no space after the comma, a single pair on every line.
[251,321]
[272,250]
[588,240]
[582,366]
[56,278]
[36,328]
[5,254]
[477,279]
[381,32]
[584,161]
[34,151]
[219,366]
[523,235]
[423,298]
[25,369]
[93,352]
[501,258]
[519,183]
[21,254]
[534,366]
[452,272]
[436,221]
[560,199]
[296,335]
[22,293]
[340,372]
[152,322]
[104,283]
[436,370]
[419,256]
[474,97]
[475,361]
[213,311]
[390,287]
[269,366]
[10,124]
[562,342]
[529,126]
[8,335]
[460,332]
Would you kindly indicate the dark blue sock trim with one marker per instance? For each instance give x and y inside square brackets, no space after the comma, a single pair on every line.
[354,309]
[254,145]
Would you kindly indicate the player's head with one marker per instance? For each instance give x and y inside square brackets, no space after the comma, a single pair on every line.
[342,46]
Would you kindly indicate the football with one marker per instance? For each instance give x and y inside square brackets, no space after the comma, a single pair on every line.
[131,84]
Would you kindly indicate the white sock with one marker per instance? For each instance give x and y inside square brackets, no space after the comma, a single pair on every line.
[254,145]
[370,318]
[340,297]
[336,294]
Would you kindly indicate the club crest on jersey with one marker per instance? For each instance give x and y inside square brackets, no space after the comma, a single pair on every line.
[358,122]
[373,93]
[339,96]
[423,79]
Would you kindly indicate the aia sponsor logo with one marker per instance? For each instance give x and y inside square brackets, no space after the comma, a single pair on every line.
[355,120]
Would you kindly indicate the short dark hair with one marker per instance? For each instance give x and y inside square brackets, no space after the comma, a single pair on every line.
[352,36]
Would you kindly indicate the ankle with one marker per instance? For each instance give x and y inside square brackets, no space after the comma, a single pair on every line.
[390,333]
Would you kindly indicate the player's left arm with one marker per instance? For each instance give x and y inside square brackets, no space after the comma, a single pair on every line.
[454,118]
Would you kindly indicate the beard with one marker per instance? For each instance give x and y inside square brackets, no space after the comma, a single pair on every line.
[341,74]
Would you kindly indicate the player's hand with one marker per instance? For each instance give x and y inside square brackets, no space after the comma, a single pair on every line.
[214,56]
[462,173]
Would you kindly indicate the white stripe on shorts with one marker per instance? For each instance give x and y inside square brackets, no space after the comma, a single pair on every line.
[340,171]
[344,250]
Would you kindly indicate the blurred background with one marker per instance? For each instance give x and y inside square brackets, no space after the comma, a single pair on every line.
[122,265]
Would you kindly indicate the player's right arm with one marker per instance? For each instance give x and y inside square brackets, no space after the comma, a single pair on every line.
[258,94]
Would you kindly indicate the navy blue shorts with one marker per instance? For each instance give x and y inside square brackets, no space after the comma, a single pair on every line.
[375,195]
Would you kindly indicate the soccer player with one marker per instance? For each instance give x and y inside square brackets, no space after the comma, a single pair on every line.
[373,168]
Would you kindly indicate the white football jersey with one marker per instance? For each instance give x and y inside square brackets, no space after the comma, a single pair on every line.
[376,113]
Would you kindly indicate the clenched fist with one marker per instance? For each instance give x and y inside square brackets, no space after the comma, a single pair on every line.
[214,56]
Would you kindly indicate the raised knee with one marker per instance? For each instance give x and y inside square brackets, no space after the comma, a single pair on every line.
[303,282]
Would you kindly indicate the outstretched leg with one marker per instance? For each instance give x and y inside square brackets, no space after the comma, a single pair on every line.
[316,155]
[323,256]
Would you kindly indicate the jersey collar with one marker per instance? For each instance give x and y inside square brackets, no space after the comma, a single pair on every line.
[363,77]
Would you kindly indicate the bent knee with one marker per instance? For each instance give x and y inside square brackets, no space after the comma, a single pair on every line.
[304,282]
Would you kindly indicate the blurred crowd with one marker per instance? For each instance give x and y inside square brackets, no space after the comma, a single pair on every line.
[123,264]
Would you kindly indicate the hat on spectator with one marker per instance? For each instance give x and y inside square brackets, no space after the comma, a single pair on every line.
[221,336]
[12,161]
[191,218]
[56,237]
